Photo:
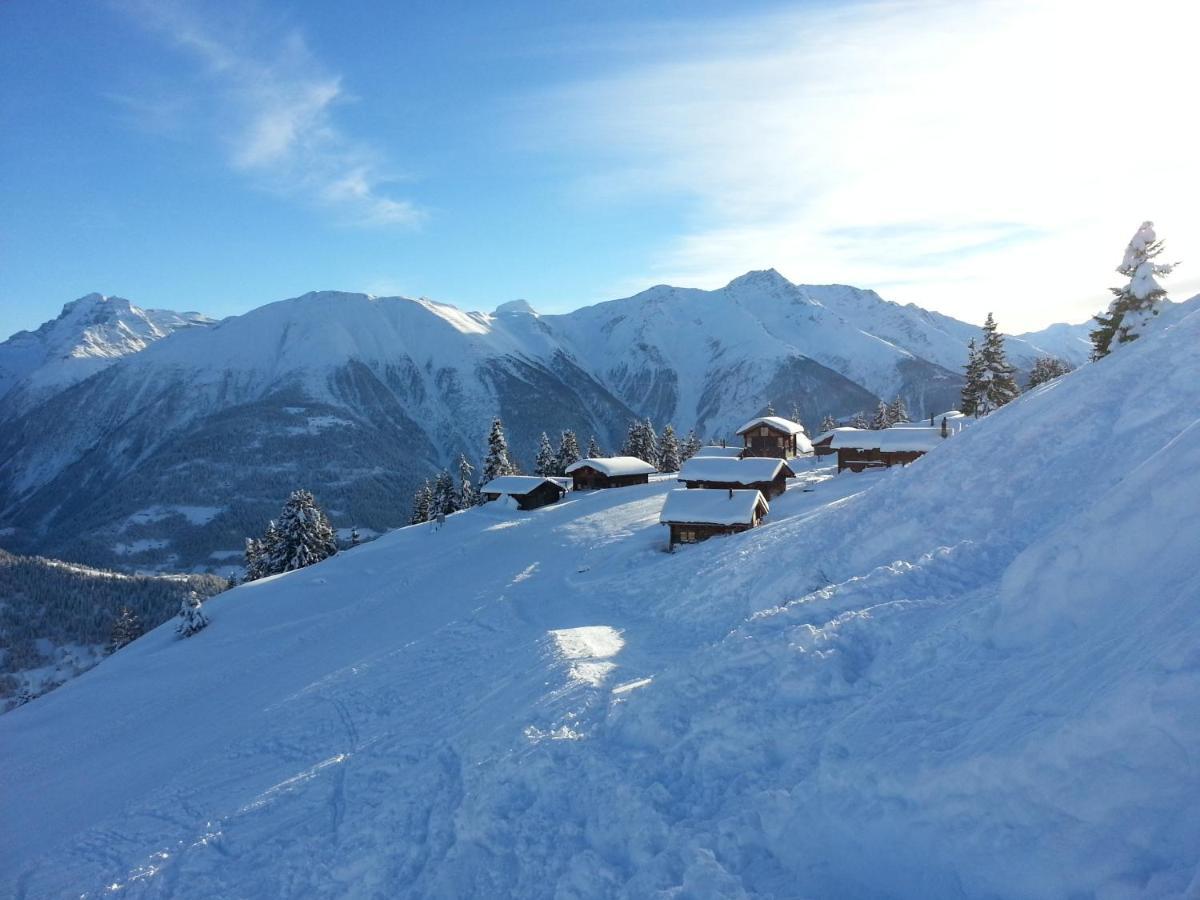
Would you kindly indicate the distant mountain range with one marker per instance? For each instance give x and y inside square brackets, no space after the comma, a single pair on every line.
[144,439]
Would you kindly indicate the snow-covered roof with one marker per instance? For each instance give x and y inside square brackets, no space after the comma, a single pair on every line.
[712,507]
[733,471]
[828,434]
[949,414]
[717,452]
[613,466]
[787,426]
[895,438]
[516,485]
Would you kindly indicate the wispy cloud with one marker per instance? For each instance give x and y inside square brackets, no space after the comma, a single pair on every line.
[965,154]
[274,109]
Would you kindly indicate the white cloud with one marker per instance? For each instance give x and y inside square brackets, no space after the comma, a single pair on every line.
[966,154]
[274,107]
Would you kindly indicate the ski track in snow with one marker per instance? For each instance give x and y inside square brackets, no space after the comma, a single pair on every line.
[926,682]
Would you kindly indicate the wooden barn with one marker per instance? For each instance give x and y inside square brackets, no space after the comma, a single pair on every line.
[895,446]
[695,516]
[760,473]
[823,444]
[774,436]
[528,491]
[609,472]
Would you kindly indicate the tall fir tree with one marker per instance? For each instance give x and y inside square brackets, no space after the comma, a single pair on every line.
[254,559]
[897,411]
[422,504]
[126,629]
[691,444]
[796,412]
[828,423]
[191,616]
[467,495]
[880,420]
[972,390]
[305,535]
[568,451]
[497,461]
[546,464]
[593,450]
[859,420]
[668,450]
[1135,303]
[998,379]
[445,500]
[641,442]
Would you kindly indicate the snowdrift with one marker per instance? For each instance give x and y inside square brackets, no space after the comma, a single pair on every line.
[975,676]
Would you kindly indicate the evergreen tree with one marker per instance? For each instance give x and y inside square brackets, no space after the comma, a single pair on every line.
[972,390]
[444,500]
[860,421]
[422,504]
[593,450]
[998,381]
[897,411]
[1135,303]
[690,445]
[881,419]
[770,410]
[254,559]
[568,451]
[305,535]
[125,629]
[354,536]
[668,451]
[497,462]
[641,442]
[546,463]
[828,423]
[1046,368]
[191,616]
[467,495]
[796,412]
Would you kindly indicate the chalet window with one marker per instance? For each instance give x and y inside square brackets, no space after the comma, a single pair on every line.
[763,431]
[687,536]
[779,442]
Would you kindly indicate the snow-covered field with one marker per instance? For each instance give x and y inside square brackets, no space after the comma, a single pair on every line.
[973,677]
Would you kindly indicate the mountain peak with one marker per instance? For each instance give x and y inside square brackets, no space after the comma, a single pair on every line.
[515,308]
[760,278]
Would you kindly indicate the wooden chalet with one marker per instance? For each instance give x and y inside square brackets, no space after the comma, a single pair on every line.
[528,491]
[823,444]
[609,472]
[697,515]
[762,473]
[896,446]
[774,436]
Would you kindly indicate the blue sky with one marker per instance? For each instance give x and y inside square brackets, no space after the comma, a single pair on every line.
[219,156]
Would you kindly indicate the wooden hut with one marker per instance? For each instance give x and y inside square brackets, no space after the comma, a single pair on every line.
[761,473]
[528,491]
[774,436]
[609,472]
[695,516]
[884,448]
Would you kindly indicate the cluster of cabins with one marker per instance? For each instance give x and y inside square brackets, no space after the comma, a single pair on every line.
[728,489]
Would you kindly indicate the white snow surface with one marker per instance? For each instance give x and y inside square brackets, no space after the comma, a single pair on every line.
[704,506]
[516,485]
[976,676]
[732,471]
[787,426]
[894,438]
[614,466]
[714,452]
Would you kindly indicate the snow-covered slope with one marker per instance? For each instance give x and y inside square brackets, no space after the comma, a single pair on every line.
[975,676]
[90,334]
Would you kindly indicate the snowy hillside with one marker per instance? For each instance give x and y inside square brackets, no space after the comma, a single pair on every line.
[974,676]
[90,334]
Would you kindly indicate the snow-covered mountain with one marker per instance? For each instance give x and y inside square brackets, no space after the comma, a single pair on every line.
[90,334]
[360,398]
[975,676]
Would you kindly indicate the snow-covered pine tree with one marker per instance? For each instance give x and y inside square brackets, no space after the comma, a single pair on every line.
[191,616]
[881,419]
[972,389]
[126,628]
[897,411]
[691,444]
[860,421]
[1047,368]
[305,535]
[828,423]
[467,495]
[1134,304]
[770,409]
[593,450]
[254,559]
[998,378]
[796,412]
[445,500]
[546,463]
[497,462]
[647,443]
[422,504]
[568,451]
[668,450]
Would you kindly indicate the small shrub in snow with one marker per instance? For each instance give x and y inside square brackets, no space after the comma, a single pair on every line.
[191,616]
